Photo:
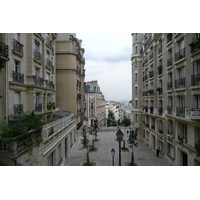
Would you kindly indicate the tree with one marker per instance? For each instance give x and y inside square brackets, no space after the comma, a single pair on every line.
[132,142]
[95,128]
[111,119]
[126,121]
[85,143]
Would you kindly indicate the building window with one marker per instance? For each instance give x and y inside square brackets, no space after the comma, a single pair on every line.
[136,49]
[182,132]
[59,154]
[135,62]
[51,159]
[181,106]
[38,104]
[180,50]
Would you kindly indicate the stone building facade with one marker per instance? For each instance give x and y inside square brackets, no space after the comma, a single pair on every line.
[166,93]
[94,104]
[28,83]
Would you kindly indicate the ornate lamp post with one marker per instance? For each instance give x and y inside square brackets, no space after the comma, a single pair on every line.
[113,154]
[119,135]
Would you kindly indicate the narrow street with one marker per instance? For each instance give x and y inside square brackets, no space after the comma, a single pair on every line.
[144,155]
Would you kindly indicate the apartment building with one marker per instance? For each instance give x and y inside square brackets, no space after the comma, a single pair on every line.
[94,104]
[28,83]
[70,75]
[166,93]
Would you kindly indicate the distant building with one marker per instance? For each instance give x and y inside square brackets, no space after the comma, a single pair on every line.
[166,93]
[94,104]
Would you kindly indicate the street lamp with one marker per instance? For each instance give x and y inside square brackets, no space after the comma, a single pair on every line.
[113,154]
[119,135]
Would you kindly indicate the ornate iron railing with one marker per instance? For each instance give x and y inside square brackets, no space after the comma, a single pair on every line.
[169,62]
[18,109]
[39,81]
[49,64]
[169,109]
[17,46]
[49,84]
[3,50]
[37,55]
[169,37]
[195,80]
[180,54]
[18,77]
[38,107]
[180,83]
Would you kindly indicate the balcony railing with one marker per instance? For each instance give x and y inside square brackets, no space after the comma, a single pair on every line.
[18,109]
[180,54]
[3,50]
[151,74]
[170,86]
[49,64]
[151,56]
[195,45]
[38,107]
[195,80]
[169,37]
[169,109]
[39,81]
[17,46]
[37,55]
[169,62]
[18,77]
[180,83]
[180,112]
[56,126]
[145,93]
[49,84]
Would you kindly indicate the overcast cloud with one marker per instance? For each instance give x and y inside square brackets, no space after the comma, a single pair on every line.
[107,58]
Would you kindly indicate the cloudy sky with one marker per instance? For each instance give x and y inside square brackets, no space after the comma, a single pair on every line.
[107,58]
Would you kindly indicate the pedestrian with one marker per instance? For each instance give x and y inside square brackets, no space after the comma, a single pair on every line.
[157,150]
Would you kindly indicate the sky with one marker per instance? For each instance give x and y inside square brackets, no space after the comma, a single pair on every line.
[107,57]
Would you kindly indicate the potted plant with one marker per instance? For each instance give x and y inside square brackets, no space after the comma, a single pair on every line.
[150,91]
[158,89]
[151,107]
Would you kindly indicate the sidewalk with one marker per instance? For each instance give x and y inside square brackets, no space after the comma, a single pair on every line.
[144,155]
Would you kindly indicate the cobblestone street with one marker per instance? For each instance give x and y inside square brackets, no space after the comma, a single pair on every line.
[144,155]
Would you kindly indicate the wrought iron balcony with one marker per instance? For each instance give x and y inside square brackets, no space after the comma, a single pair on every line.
[169,37]
[180,111]
[3,51]
[151,74]
[169,109]
[170,86]
[151,56]
[49,64]
[169,62]
[18,109]
[180,83]
[195,80]
[18,77]
[159,70]
[195,45]
[38,107]
[37,55]
[17,46]
[39,81]
[49,84]
[180,54]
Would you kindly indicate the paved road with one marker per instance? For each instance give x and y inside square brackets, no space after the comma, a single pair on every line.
[144,155]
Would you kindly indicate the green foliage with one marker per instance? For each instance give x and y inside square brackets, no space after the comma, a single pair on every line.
[27,122]
[126,121]
[132,138]
[84,141]
[111,119]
